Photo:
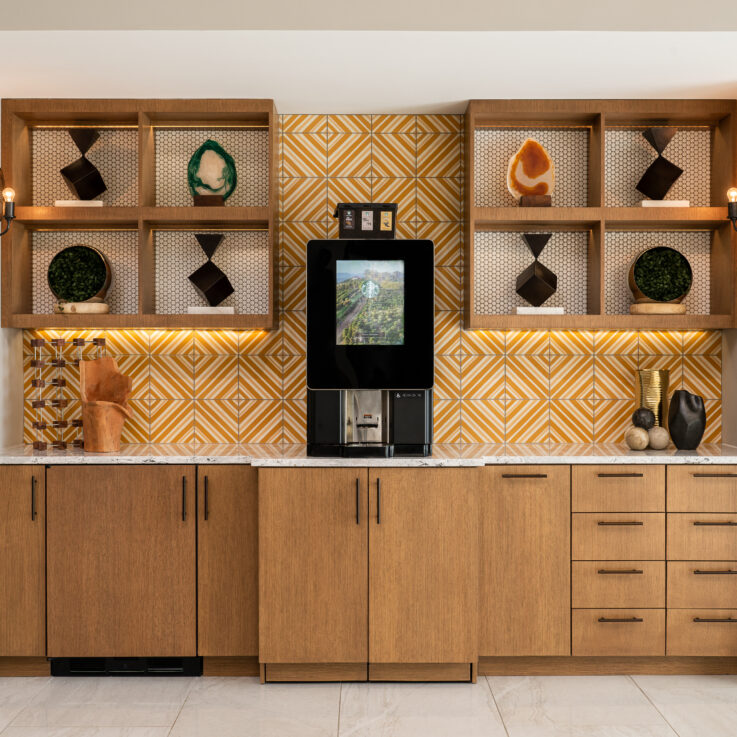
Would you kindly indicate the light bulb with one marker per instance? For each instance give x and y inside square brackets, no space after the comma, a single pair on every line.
[732,194]
[9,194]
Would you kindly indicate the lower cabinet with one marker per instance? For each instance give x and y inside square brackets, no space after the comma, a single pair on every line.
[22,561]
[121,574]
[227,561]
[374,567]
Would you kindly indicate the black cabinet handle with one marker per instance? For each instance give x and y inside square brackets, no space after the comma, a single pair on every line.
[524,475]
[715,524]
[184,498]
[609,620]
[207,500]
[620,524]
[33,498]
[714,475]
[726,572]
[620,475]
[726,620]
[358,502]
[378,501]
[616,571]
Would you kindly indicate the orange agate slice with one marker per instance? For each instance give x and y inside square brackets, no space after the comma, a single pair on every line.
[531,170]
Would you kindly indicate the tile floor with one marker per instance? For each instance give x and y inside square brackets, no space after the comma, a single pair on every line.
[603,706]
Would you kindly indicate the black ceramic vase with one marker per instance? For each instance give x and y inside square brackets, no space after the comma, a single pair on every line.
[686,419]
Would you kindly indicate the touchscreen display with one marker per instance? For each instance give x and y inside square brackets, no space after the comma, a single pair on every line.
[369,302]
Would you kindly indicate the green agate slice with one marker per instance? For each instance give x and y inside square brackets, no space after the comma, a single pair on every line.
[211,170]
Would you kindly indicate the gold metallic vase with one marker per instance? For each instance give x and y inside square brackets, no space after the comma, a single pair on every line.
[651,391]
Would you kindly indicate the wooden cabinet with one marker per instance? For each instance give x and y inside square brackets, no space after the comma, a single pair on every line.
[313,565]
[525,561]
[121,561]
[618,536]
[635,488]
[618,632]
[702,489]
[423,565]
[618,583]
[227,561]
[22,561]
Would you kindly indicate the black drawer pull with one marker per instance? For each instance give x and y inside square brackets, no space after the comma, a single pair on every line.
[207,499]
[616,571]
[33,498]
[184,498]
[715,475]
[378,501]
[358,502]
[524,475]
[620,524]
[727,572]
[715,524]
[608,620]
[726,620]
[620,475]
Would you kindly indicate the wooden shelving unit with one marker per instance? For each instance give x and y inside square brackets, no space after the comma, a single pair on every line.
[20,117]
[597,116]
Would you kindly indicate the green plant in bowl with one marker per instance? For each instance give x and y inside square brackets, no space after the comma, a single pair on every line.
[661,274]
[78,273]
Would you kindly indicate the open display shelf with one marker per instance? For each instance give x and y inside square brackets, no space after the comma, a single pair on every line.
[31,161]
[583,173]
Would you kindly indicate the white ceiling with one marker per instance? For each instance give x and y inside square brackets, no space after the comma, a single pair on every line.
[338,71]
[383,15]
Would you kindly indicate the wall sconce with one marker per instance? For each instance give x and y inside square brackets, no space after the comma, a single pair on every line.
[8,195]
[732,206]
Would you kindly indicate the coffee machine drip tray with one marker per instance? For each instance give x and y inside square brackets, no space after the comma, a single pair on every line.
[352,450]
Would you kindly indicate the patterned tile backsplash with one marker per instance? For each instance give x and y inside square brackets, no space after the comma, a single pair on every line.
[491,386]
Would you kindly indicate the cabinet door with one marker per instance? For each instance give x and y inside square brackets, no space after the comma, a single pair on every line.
[525,561]
[423,565]
[313,555]
[121,561]
[227,555]
[22,574]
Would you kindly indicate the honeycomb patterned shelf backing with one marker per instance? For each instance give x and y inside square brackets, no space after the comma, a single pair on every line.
[627,154]
[249,149]
[242,255]
[115,154]
[121,250]
[622,247]
[494,147]
[501,256]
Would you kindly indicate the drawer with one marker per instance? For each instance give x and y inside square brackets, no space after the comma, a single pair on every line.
[702,537]
[702,489]
[634,536]
[702,632]
[618,632]
[702,585]
[618,488]
[618,583]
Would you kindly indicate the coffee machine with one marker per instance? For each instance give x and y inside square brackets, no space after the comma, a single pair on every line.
[370,323]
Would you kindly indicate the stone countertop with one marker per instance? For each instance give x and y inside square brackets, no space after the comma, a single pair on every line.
[444,455]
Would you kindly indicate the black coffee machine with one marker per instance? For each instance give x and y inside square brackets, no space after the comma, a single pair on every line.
[370,323]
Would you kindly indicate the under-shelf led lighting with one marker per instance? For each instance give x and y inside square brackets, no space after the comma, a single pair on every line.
[732,206]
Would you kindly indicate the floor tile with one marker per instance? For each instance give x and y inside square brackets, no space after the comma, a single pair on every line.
[418,710]
[86,731]
[16,693]
[695,706]
[576,706]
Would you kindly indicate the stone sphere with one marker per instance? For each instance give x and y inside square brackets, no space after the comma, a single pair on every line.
[644,418]
[637,438]
[659,438]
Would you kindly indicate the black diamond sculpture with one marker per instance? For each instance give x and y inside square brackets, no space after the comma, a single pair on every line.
[661,175]
[82,176]
[537,282]
[209,280]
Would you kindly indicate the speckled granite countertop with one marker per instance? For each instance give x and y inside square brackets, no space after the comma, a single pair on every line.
[457,455]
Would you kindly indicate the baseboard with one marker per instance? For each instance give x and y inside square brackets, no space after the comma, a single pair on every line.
[24,667]
[549,666]
[421,672]
[230,666]
[296,672]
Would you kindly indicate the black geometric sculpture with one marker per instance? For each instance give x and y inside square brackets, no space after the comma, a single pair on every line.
[537,282]
[661,175]
[209,280]
[81,175]
[686,419]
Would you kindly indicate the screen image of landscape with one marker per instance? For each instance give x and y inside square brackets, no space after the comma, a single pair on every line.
[369,302]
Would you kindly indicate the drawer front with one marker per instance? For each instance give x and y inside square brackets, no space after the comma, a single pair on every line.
[618,632]
[618,488]
[702,585]
[702,489]
[707,632]
[702,537]
[618,536]
[605,584]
